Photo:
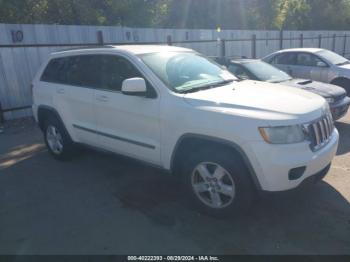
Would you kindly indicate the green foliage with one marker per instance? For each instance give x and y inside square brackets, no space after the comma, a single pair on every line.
[292,14]
[330,14]
[84,12]
[227,14]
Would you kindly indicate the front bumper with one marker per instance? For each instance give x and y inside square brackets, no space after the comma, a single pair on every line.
[340,109]
[316,177]
[272,164]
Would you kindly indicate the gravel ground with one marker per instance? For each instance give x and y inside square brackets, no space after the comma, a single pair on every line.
[105,204]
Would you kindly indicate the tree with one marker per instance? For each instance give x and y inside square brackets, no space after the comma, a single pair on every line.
[263,14]
[84,12]
[331,14]
[292,15]
[227,14]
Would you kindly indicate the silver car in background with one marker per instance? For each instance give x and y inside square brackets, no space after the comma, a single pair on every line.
[313,63]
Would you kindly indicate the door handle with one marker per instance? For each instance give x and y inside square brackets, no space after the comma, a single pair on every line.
[102,98]
[60,91]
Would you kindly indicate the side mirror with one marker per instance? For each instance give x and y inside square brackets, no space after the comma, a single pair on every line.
[134,87]
[321,64]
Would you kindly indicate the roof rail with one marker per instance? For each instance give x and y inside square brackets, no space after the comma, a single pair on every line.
[92,46]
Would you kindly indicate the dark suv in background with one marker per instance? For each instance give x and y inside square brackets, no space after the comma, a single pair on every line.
[261,71]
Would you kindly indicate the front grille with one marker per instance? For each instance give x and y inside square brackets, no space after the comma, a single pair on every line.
[320,132]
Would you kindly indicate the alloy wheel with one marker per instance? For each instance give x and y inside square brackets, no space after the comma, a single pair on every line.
[54,139]
[213,185]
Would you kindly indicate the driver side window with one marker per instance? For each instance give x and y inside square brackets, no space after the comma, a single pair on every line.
[306,59]
[114,70]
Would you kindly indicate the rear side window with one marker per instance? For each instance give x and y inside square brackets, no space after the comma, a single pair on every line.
[285,59]
[54,71]
[105,72]
[84,70]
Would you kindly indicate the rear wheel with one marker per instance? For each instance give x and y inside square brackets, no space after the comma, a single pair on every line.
[218,184]
[57,139]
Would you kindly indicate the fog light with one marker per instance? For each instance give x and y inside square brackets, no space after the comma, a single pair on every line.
[296,173]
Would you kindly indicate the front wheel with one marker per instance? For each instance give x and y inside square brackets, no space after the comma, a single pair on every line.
[218,183]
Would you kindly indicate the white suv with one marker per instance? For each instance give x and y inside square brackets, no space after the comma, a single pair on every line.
[175,109]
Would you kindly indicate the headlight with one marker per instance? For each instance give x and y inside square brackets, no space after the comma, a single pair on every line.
[283,134]
[330,100]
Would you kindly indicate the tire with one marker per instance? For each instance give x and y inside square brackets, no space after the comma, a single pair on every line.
[231,195]
[57,140]
[344,83]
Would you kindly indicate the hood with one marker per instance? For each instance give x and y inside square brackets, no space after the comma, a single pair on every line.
[259,100]
[344,70]
[347,66]
[322,89]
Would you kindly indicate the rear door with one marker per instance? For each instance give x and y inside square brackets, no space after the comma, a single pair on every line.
[129,125]
[74,96]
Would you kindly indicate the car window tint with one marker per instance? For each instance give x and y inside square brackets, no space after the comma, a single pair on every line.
[75,70]
[305,59]
[238,71]
[271,60]
[54,72]
[94,71]
[233,68]
[285,59]
[114,71]
[84,71]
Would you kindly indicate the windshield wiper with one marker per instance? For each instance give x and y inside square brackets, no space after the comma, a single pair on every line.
[208,86]
[280,81]
[277,81]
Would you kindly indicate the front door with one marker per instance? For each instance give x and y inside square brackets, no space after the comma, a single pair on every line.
[126,124]
[311,67]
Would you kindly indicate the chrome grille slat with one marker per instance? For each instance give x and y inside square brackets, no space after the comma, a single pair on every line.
[317,135]
[325,122]
[331,123]
[320,132]
[323,132]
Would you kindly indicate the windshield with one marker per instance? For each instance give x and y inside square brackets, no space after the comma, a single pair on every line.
[333,57]
[267,73]
[186,71]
